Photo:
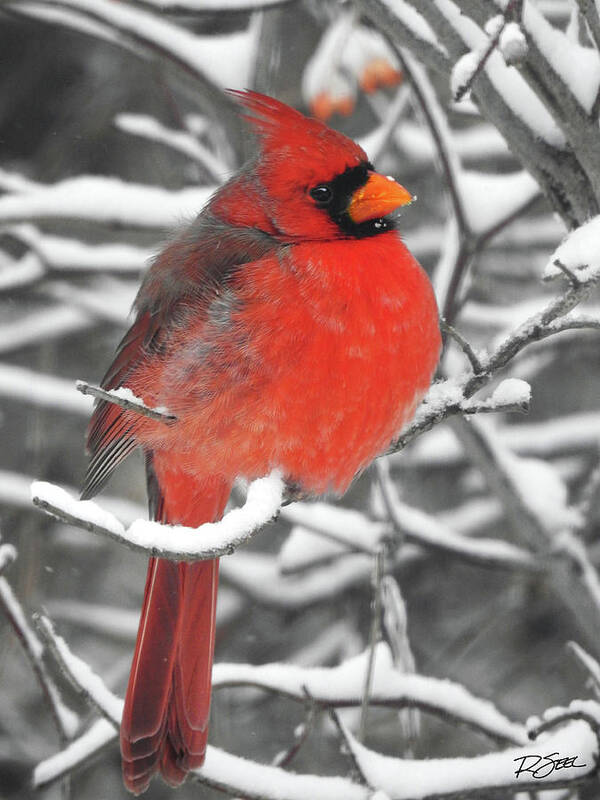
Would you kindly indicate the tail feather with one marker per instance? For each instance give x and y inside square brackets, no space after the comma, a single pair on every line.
[167,704]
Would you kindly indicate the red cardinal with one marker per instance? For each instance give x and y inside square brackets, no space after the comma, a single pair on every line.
[288,326]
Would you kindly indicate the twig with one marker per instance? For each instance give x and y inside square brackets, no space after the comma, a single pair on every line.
[418,527]
[462,90]
[348,749]
[374,634]
[65,719]
[134,404]
[573,279]
[88,685]
[534,329]
[301,734]
[588,662]
[463,344]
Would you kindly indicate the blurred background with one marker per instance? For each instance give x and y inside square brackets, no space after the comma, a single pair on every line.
[84,95]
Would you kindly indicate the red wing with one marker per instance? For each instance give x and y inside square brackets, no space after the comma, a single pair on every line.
[186,275]
[110,437]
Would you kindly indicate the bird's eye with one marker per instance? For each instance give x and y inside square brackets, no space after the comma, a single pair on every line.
[322,193]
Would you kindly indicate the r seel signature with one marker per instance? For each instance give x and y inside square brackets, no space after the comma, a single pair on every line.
[539,767]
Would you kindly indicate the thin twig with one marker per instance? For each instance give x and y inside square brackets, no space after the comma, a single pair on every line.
[462,90]
[65,719]
[136,405]
[463,344]
[374,635]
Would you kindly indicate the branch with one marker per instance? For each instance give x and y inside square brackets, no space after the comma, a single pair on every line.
[177,542]
[85,682]
[125,398]
[66,721]
[436,407]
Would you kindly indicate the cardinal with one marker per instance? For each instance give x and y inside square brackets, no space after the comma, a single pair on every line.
[286,327]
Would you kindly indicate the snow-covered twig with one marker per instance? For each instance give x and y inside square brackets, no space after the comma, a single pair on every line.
[534,329]
[179,543]
[87,684]
[125,398]
[418,527]
[65,719]
[588,662]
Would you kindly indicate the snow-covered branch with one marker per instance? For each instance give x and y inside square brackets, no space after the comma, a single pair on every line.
[177,542]
[65,719]
[447,398]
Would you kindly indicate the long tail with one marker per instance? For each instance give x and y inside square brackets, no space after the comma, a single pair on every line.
[167,704]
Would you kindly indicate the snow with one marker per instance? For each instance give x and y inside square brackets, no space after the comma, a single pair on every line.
[103,298]
[347,526]
[463,72]
[181,141]
[123,396]
[427,530]
[8,554]
[507,81]
[240,776]
[579,251]
[344,684]
[415,22]
[511,391]
[258,576]
[84,677]
[443,393]
[85,510]
[94,739]
[513,44]
[59,253]
[107,201]
[44,391]
[15,274]
[48,323]
[577,66]
[488,198]
[69,721]
[304,548]
[213,5]
[263,503]
[570,433]
[537,483]
[216,538]
[407,778]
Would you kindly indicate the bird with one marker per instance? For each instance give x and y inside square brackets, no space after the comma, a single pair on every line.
[286,327]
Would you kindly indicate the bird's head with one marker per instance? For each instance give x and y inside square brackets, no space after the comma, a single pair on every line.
[314,182]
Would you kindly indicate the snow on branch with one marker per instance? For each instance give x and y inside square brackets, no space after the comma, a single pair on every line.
[447,398]
[125,398]
[176,542]
[213,60]
[80,675]
[63,255]
[343,686]
[430,778]
[104,201]
[183,142]
[65,719]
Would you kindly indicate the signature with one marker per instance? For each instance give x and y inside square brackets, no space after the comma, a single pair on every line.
[541,766]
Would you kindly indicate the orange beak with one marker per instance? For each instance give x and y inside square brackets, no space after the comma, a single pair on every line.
[378,197]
